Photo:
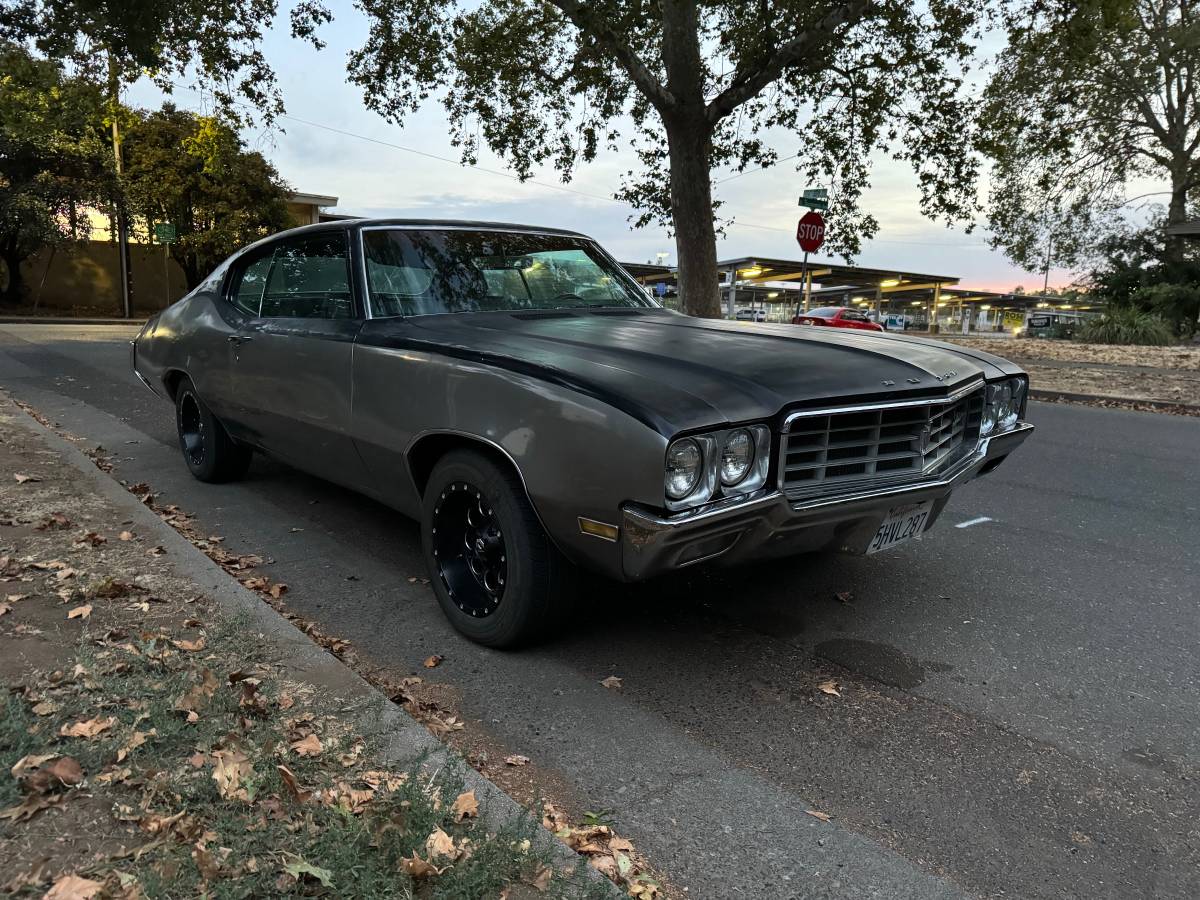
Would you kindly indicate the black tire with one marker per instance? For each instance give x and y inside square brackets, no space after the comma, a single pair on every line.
[210,453]
[497,575]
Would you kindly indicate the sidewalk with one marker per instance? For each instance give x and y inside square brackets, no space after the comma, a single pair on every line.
[163,730]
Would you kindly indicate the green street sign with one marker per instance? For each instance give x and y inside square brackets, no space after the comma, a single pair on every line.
[164,233]
[816,199]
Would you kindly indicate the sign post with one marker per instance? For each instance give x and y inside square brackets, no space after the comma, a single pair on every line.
[164,233]
[810,235]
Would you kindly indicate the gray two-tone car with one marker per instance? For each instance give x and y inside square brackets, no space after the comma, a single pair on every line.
[515,391]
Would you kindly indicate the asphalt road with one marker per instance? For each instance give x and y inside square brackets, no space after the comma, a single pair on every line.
[1020,710]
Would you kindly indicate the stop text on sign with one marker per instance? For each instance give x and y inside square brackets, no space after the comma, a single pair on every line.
[810,232]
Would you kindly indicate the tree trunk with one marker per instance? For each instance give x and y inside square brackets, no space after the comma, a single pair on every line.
[15,289]
[692,212]
[689,146]
[1177,214]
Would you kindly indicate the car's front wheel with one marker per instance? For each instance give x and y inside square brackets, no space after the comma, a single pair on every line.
[496,574]
[210,453]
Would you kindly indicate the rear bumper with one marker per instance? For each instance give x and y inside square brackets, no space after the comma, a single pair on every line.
[767,523]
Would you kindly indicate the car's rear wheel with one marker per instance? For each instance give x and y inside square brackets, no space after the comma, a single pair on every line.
[496,574]
[210,453]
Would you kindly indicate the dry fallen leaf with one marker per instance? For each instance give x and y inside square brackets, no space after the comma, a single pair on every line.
[231,767]
[415,867]
[190,646]
[440,844]
[22,479]
[612,681]
[465,806]
[293,786]
[829,687]
[516,760]
[433,661]
[308,746]
[125,536]
[87,729]
[277,590]
[80,612]
[45,708]
[73,887]
[824,817]
[4,607]
[844,596]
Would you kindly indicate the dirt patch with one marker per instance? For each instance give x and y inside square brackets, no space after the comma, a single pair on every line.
[1163,386]
[1183,357]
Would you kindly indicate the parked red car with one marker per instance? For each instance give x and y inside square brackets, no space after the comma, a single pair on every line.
[838,317]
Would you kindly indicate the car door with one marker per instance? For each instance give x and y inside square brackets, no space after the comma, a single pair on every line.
[294,359]
[852,318]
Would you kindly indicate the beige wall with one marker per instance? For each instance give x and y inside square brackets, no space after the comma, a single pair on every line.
[86,280]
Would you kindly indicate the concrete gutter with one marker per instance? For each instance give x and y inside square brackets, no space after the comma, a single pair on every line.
[404,741]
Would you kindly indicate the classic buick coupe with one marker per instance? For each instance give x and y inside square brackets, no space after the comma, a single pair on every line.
[520,395]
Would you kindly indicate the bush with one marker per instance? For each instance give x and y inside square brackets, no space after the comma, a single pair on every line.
[1127,325]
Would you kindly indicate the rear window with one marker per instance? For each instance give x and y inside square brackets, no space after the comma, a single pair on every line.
[825,312]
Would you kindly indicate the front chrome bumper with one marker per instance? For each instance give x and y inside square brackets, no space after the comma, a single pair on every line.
[767,523]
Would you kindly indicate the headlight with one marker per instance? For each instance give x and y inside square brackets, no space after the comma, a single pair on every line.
[684,464]
[1002,406]
[737,455]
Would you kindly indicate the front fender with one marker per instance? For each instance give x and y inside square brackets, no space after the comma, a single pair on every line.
[577,456]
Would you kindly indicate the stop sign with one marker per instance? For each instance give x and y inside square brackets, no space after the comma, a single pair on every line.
[810,233]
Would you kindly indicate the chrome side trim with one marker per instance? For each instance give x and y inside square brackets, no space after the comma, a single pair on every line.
[956,394]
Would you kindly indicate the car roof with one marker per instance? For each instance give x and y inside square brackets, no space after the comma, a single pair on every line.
[433,224]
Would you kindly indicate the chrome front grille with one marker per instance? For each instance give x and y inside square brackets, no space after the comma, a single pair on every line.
[854,448]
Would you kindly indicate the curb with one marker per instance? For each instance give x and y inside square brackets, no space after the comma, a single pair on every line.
[403,739]
[1165,405]
[67,320]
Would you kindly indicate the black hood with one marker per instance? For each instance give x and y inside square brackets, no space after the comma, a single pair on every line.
[678,373]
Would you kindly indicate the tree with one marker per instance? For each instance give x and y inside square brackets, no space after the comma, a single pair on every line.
[1088,97]
[1133,273]
[195,172]
[115,43]
[53,160]
[691,87]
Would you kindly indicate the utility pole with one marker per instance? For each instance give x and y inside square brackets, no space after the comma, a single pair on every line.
[1049,250]
[114,98]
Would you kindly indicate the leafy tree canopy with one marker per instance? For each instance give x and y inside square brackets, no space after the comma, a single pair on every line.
[121,40]
[54,159]
[691,87]
[1088,97]
[195,172]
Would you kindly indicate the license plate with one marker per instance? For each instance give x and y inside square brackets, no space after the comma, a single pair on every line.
[902,523]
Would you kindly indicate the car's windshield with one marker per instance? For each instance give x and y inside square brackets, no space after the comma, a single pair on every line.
[825,312]
[418,272]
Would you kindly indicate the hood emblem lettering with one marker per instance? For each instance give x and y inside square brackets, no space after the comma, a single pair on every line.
[888,383]
[914,381]
[945,376]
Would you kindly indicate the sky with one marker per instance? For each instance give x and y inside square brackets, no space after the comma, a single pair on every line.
[331,144]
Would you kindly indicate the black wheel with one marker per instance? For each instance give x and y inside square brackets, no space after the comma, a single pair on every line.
[210,453]
[496,574]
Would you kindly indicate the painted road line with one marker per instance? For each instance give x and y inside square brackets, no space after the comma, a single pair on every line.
[970,522]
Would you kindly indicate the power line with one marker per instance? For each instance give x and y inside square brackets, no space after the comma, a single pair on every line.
[735,223]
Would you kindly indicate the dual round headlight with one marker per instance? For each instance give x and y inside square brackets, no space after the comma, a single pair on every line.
[737,456]
[1002,406]
[685,462]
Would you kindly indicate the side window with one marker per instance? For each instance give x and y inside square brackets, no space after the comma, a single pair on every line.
[853,315]
[310,279]
[247,291]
